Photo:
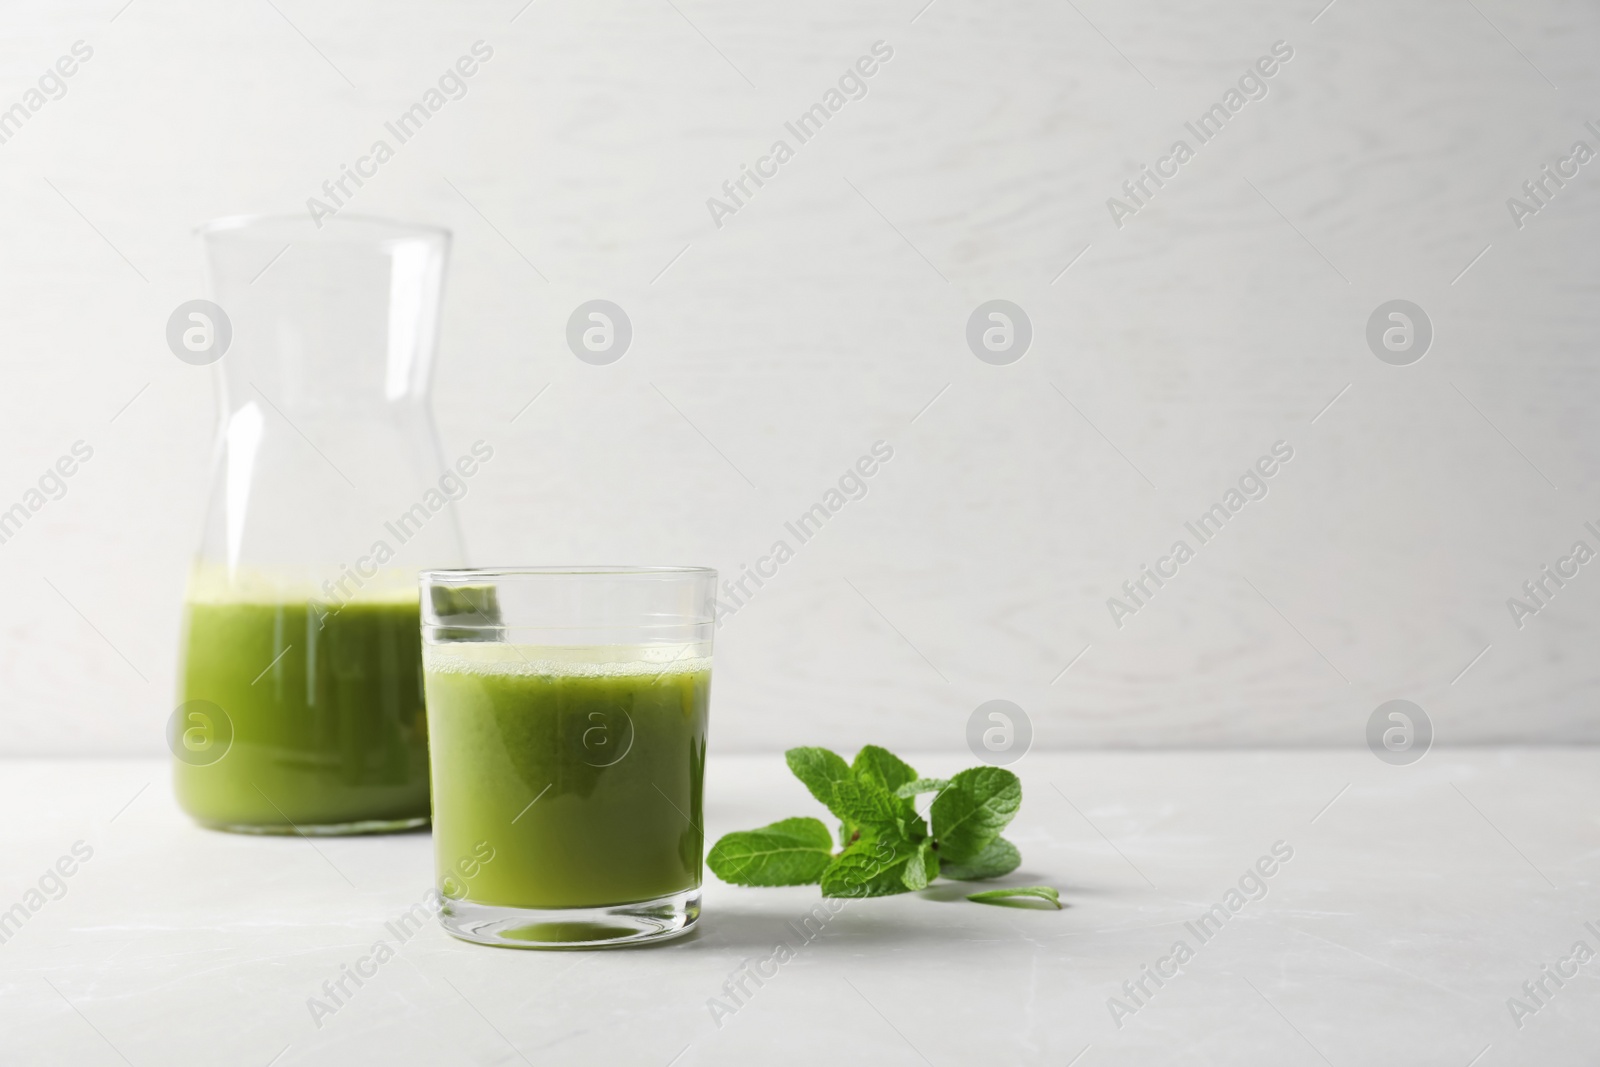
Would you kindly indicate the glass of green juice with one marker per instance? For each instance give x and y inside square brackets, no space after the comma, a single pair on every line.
[567,715]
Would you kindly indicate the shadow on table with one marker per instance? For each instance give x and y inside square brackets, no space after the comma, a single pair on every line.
[853,929]
[859,924]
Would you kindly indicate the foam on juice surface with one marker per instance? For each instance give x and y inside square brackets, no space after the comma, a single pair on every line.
[577,661]
[215,583]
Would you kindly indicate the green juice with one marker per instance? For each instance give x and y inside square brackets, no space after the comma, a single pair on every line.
[325,709]
[582,768]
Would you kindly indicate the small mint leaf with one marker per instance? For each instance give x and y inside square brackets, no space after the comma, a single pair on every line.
[818,769]
[1001,857]
[922,868]
[790,852]
[883,766]
[867,804]
[1007,897]
[873,868]
[921,785]
[972,810]
[879,768]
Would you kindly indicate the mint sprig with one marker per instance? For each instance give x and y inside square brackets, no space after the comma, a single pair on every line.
[886,847]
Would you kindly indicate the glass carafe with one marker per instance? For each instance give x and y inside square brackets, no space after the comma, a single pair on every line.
[301,700]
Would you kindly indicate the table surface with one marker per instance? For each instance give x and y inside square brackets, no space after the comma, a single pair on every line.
[1415,905]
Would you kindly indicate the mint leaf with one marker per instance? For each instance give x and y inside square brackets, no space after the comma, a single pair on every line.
[867,804]
[972,811]
[873,868]
[922,868]
[790,852]
[878,768]
[1001,857]
[883,766]
[1006,897]
[921,785]
[818,769]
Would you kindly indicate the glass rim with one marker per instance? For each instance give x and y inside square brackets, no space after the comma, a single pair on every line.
[466,575]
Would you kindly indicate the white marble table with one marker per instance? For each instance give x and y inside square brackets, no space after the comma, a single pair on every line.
[1416,902]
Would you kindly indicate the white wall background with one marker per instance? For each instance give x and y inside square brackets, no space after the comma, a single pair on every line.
[1218,320]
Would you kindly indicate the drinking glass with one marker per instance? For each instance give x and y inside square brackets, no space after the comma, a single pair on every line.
[567,715]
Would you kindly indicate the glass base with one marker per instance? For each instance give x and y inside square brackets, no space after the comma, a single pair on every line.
[340,829]
[556,928]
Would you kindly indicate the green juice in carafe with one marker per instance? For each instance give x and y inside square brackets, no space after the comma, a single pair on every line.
[321,709]
[584,769]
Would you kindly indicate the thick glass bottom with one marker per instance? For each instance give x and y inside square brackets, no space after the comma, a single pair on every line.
[615,926]
[340,829]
